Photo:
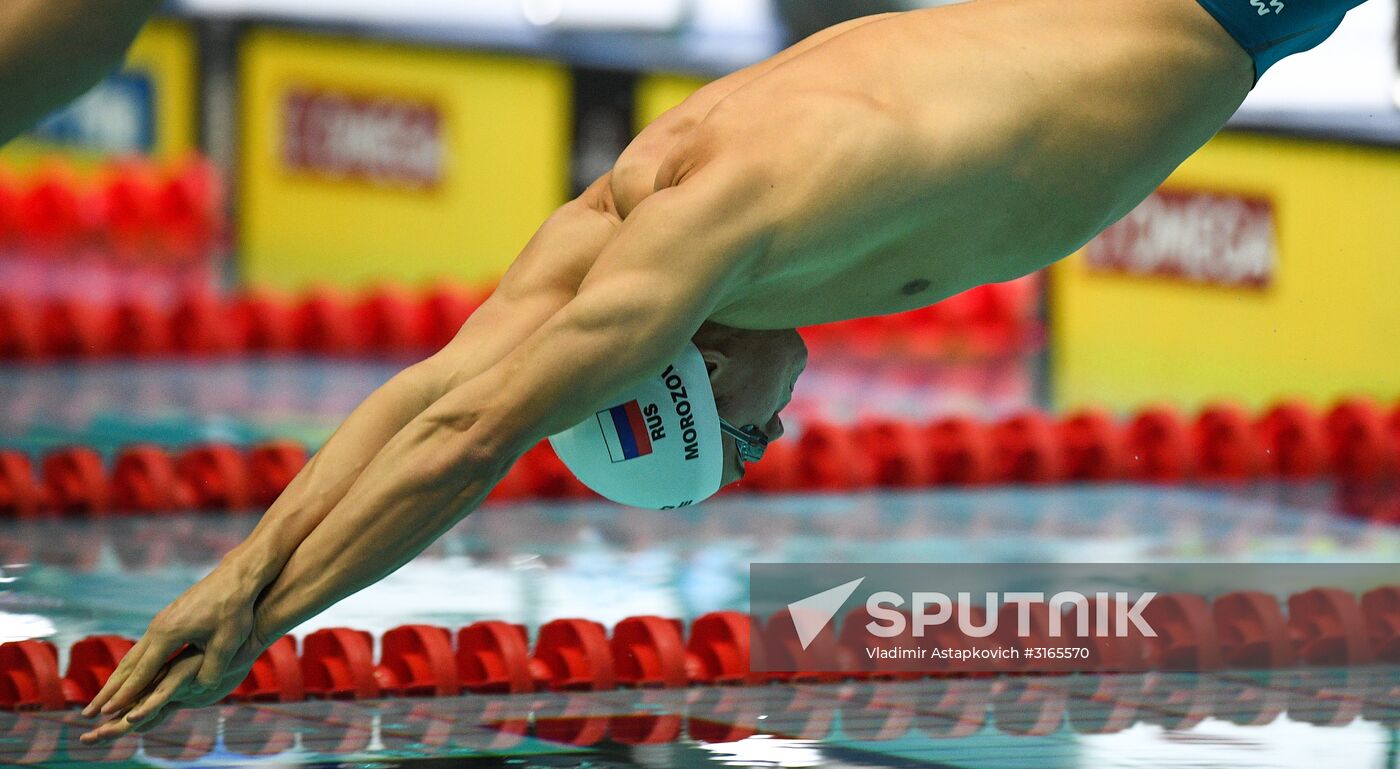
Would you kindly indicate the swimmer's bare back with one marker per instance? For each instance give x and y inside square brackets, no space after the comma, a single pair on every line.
[920,154]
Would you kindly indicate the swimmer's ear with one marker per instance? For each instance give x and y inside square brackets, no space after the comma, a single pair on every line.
[716,363]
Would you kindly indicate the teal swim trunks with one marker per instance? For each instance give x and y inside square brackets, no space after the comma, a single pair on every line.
[1269,30]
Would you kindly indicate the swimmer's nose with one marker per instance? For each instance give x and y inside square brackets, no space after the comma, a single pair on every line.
[774,428]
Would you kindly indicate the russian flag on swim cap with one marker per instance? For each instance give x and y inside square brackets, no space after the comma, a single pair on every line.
[625,432]
[661,448]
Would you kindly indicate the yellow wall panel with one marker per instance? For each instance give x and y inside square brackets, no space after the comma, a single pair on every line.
[500,168]
[167,50]
[1327,325]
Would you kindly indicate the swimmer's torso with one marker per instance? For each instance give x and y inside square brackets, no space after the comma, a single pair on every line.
[915,157]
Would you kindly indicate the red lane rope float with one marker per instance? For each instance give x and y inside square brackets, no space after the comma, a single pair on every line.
[130,207]
[21,494]
[1321,627]
[144,479]
[1356,441]
[217,477]
[384,321]
[75,481]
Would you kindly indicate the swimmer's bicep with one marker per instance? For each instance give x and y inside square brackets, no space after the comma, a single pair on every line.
[609,337]
[651,288]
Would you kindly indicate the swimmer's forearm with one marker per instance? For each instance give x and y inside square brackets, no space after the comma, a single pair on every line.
[425,479]
[51,51]
[330,473]
[539,283]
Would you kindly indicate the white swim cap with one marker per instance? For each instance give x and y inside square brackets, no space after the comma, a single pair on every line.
[659,447]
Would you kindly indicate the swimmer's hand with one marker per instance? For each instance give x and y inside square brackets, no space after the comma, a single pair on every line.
[215,617]
[175,689]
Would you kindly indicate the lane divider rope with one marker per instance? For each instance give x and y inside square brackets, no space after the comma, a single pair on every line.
[1247,630]
[1356,440]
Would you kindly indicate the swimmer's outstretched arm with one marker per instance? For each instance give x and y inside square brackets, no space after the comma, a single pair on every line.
[216,614]
[51,51]
[633,311]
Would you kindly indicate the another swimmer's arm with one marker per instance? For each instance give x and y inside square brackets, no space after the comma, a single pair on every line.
[633,312]
[51,51]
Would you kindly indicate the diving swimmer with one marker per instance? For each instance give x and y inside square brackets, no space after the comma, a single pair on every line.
[876,167]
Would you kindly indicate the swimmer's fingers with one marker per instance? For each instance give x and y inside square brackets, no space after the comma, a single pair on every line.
[181,672]
[158,647]
[118,677]
[108,730]
[150,707]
